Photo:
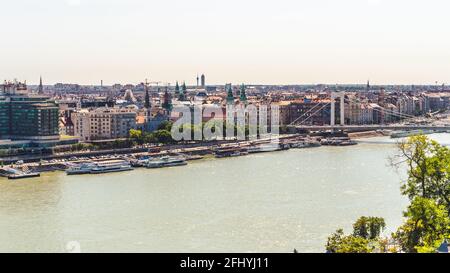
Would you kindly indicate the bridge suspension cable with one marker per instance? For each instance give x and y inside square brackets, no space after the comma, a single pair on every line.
[380,109]
[395,114]
[391,112]
[325,105]
[307,112]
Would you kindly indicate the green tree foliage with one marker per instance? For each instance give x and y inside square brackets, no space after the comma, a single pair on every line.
[338,242]
[82,147]
[149,138]
[369,228]
[163,136]
[428,187]
[365,237]
[166,125]
[427,221]
[135,134]
[428,169]
[427,225]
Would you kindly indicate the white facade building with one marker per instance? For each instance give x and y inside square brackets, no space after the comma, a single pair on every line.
[103,123]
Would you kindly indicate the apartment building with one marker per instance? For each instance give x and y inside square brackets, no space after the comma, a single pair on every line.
[103,123]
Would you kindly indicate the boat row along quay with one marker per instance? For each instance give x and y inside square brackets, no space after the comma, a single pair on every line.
[171,156]
[163,158]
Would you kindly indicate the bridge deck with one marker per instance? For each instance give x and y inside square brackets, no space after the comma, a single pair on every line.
[372,127]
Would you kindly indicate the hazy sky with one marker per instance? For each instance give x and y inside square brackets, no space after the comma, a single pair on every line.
[250,41]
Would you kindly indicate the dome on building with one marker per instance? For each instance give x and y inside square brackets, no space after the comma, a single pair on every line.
[132,107]
[202,94]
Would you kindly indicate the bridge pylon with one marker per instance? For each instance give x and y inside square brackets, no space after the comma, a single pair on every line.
[334,96]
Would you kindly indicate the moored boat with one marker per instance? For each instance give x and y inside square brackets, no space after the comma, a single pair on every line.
[165,162]
[23,175]
[401,134]
[83,168]
[194,157]
[13,173]
[267,147]
[304,144]
[232,151]
[111,166]
[338,141]
[348,143]
[141,162]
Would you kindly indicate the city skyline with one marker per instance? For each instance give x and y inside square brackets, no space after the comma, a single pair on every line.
[257,42]
[41,82]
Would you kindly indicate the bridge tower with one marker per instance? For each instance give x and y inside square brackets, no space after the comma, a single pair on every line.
[334,96]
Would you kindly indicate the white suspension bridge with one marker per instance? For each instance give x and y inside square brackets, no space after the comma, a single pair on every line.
[300,122]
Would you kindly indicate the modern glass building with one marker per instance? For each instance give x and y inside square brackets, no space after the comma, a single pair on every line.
[4,117]
[24,117]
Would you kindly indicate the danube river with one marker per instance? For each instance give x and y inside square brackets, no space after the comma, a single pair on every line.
[271,202]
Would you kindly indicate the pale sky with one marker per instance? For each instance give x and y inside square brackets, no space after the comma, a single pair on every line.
[238,41]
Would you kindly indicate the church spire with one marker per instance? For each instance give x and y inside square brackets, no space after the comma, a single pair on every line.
[177,89]
[41,87]
[167,103]
[230,96]
[147,103]
[183,92]
[243,96]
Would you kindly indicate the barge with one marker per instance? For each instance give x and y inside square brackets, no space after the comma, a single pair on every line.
[231,151]
[338,141]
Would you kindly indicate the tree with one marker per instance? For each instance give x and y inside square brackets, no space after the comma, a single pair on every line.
[365,237]
[137,136]
[163,136]
[150,138]
[428,187]
[438,185]
[369,228]
[338,242]
[427,224]
[427,221]
[165,125]
[428,165]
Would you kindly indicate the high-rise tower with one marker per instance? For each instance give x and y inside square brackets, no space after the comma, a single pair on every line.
[203,81]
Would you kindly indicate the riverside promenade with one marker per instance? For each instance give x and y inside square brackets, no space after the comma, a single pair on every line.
[53,162]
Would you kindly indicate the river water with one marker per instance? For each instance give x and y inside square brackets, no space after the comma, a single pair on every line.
[271,202]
